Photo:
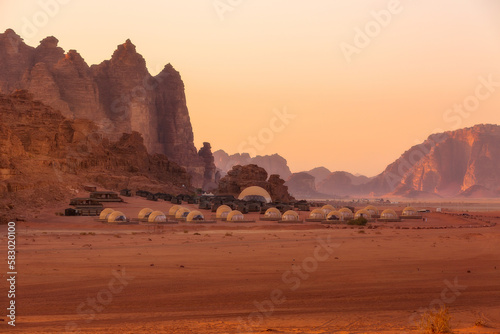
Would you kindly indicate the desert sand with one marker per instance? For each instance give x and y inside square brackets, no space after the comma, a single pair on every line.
[253,277]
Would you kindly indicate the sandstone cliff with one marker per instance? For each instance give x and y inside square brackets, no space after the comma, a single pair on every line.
[449,164]
[45,157]
[119,95]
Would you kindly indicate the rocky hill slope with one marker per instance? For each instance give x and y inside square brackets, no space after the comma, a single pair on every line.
[45,157]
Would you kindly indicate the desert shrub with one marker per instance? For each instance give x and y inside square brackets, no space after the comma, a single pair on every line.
[361,221]
[434,322]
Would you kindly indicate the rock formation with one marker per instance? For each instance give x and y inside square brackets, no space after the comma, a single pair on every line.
[447,164]
[341,184]
[119,95]
[319,173]
[209,178]
[45,157]
[241,177]
[303,185]
[273,164]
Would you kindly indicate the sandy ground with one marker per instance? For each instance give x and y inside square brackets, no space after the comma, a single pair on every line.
[252,278]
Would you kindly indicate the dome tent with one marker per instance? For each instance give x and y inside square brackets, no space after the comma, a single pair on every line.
[195,215]
[346,214]
[182,213]
[255,193]
[327,208]
[372,210]
[389,214]
[362,213]
[116,217]
[235,215]
[105,214]
[290,215]
[144,213]
[222,212]
[334,215]
[317,214]
[409,211]
[273,213]
[157,217]
[173,210]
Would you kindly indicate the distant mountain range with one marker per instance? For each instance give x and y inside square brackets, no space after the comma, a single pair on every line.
[460,163]
[273,164]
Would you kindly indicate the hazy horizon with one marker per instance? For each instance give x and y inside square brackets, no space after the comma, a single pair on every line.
[357,102]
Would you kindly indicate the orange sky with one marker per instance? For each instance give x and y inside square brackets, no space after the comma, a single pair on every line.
[351,110]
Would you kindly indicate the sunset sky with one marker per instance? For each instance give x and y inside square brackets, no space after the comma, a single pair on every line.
[361,80]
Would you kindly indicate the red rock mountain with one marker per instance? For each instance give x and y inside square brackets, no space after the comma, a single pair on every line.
[461,163]
[448,164]
[45,157]
[119,95]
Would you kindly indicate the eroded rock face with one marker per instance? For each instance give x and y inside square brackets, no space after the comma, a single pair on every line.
[45,157]
[209,177]
[456,162]
[118,95]
[241,177]
[303,185]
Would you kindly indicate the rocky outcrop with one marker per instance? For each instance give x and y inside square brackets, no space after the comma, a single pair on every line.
[118,95]
[209,178]
[320,174]
[273,164]
[341,184]
[45,157]
[303,185]
[241,177]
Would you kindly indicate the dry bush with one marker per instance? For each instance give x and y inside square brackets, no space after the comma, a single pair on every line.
[434,322]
